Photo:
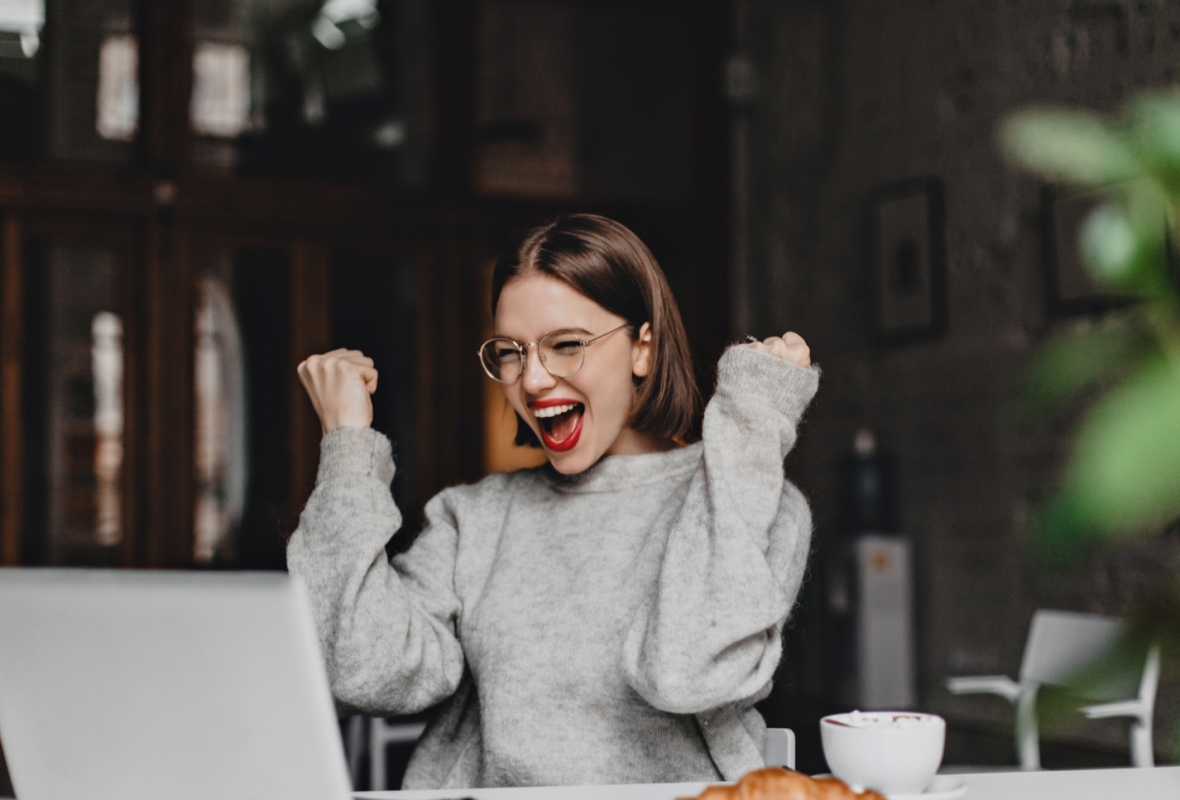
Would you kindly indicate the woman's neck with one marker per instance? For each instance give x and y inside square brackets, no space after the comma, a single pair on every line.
[632,442]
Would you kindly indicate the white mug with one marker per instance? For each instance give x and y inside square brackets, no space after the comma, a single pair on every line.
[888,751]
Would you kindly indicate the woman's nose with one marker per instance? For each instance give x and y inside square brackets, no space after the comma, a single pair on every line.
[535,378]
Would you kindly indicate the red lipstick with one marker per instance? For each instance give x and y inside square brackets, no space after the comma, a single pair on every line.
[571,440]
[549,402]
[568,443]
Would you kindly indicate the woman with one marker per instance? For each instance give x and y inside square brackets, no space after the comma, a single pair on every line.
[611,616]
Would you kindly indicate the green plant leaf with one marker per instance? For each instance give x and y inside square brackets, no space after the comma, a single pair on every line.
[1124,474]
[1063,530]
[1155,131]
[1067,365]
[1124,242]
[1124,477]
[1068,146]
[1147,206]
[1112,675]
[1111,246]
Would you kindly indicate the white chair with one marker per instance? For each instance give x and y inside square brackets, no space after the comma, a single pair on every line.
[382,732]
[1140,710]
[779,748]
[1059,644]
[354,737]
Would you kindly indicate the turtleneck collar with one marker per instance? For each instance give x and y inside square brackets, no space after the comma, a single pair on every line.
[615,473]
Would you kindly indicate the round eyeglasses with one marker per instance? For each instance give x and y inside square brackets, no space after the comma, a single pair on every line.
[562,354]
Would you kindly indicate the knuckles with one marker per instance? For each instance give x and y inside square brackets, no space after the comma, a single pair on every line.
[337,365]
[789,347]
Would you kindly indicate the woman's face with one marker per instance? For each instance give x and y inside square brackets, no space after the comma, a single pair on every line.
[601,392]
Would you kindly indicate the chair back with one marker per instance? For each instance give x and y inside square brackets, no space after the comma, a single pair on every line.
[778,750]
[1151,676]
[1062,643]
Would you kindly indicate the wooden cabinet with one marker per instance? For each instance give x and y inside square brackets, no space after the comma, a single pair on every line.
[157,290]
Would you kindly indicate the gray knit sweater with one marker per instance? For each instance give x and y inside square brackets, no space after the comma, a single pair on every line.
[614,626]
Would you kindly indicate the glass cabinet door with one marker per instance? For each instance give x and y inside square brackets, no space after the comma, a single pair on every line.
[373,311]
[323,89]
[75,372]
[590,100]
[242,422]
[251,469]
[69,85]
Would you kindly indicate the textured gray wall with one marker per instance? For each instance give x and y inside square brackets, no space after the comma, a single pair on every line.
[852,95]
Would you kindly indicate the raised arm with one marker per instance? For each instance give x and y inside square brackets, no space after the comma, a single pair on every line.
[710,634]
[387,631]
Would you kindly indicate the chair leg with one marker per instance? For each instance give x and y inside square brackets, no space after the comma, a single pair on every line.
[1142,754]
[1027,744]
[354,741]
[376,756]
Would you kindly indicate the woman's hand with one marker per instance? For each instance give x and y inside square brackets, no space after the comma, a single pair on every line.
[339,384]
[789,347]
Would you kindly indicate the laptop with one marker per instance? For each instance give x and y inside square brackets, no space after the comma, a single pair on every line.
[119,685]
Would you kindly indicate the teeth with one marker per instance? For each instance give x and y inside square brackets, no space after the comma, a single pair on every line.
[553,411]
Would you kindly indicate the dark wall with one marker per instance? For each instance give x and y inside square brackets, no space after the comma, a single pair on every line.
[853,95]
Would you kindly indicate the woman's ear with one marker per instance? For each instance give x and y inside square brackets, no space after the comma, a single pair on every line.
[641,352]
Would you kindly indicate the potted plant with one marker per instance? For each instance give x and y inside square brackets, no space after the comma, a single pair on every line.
[1123,475]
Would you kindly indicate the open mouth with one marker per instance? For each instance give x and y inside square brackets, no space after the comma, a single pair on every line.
[561,425]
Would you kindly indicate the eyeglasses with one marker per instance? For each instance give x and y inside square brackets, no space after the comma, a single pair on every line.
[562,354]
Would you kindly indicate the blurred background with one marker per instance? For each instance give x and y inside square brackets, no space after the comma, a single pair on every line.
[197,194]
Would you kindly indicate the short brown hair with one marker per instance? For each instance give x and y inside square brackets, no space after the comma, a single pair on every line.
[606,262]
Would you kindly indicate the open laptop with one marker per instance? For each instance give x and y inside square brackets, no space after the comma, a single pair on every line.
[154,685]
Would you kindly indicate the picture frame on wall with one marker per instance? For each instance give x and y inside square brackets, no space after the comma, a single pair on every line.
[1069,289]
[905,235]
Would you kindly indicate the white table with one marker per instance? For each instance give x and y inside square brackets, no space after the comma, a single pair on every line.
[1090,784]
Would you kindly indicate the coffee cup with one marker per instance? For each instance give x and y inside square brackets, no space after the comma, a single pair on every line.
[888,751]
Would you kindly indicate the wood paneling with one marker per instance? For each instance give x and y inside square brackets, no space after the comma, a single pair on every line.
[311,326]
[450,324]
[11,427]
[166,414]
[425,320]
[453,102]
[134,535]
[450,230]
[165,77]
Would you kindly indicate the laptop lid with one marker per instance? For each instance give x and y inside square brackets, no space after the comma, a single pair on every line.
[119,685]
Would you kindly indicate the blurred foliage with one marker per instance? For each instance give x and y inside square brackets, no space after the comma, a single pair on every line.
[1123,476]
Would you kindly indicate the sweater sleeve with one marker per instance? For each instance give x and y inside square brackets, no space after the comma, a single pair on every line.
[710,633]
[387,630]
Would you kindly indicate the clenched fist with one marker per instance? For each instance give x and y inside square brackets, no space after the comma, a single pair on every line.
[339,384]
[789,347]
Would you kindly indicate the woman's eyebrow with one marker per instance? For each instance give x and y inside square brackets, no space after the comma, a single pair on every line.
[556,330]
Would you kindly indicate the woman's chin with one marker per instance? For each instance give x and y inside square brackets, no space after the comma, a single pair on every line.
[572,462]
[579,458]
[572,454]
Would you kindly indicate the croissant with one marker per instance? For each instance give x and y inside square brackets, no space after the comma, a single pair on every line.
[773,783]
